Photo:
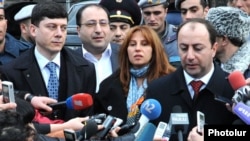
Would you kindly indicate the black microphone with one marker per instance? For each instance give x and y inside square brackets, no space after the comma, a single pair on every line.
[90,129]
[179,122]
[238,122]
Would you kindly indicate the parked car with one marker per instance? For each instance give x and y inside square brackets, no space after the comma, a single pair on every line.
[72,40]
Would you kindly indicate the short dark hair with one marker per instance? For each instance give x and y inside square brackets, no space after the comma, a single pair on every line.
[50,10]
[12,128]
[79,12]
[210,28]
[204,3]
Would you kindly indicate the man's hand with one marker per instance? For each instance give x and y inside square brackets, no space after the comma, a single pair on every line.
[195,136]
[6,106]
[40,102]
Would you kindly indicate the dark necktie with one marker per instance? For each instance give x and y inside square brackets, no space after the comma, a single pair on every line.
[53,82]
[196,87]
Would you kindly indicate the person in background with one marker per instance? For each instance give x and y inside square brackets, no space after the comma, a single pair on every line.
[94,31]
[123,15]
[10,47]
[233,29]
[231,3]
[30,72]
[192,8]
[14,129]
[154,14]
[23,18]
[244,5]
[192,87]
[142,59]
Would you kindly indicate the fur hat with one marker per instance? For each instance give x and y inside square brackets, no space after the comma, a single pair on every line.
[230,22]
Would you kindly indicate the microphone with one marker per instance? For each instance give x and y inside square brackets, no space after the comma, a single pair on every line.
[78,101]
[179,122]
[147,133]
[150,109]
[90,129]
[238,83]
[243,112]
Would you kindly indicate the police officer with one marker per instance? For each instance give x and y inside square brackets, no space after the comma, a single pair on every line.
[123,14]
[154,13]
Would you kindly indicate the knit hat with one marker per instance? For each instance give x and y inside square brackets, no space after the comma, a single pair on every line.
[230,22]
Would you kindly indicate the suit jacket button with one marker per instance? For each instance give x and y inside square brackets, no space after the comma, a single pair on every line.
[109,108]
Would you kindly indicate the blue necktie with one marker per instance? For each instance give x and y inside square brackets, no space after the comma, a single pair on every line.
[53,81]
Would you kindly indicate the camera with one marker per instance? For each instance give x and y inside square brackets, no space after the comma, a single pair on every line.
[8,92]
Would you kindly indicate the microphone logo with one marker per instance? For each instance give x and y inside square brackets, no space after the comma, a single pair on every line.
[180,118]
[78,103]
[149,107]
[244,111]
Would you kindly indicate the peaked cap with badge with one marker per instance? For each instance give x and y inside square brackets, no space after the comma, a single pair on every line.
[148,3]
[126,11]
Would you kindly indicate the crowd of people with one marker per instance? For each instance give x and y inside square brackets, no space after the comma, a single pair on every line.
[129,53]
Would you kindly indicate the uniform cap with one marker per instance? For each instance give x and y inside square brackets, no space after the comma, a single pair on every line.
[126,11]
[24,12]
[148,3]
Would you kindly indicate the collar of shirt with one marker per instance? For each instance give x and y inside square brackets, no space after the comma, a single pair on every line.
[89,56]
[42,62]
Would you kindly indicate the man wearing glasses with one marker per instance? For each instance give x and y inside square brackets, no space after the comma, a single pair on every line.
[94,31]
[154,14]
[10,47]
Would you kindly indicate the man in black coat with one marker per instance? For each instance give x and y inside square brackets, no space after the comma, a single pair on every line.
[29,72]
[197,47]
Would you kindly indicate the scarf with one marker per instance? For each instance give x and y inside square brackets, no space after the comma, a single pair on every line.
[135,91]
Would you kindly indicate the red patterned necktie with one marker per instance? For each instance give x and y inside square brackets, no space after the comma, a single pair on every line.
[196,87]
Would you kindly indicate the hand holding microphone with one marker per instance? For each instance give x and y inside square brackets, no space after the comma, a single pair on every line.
[78,101]
[238,83]
[242,92]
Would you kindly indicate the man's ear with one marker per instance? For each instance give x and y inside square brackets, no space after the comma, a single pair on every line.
[205,11]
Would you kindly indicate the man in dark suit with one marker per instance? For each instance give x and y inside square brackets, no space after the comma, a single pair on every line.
[29,72]
[197,47]
[94,31]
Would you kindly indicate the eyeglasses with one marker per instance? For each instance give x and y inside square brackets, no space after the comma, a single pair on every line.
[92,23]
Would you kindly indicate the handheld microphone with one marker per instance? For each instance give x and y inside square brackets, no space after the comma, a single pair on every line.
[243,112]
[78,101]
[150,109]
[108,123]
[90,129]
[179,122]
[147,133]
[238,83]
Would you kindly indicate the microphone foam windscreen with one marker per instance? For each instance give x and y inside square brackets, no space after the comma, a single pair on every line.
[90,129]
[79,101]
[177,109]
[151,108]
[236,80]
